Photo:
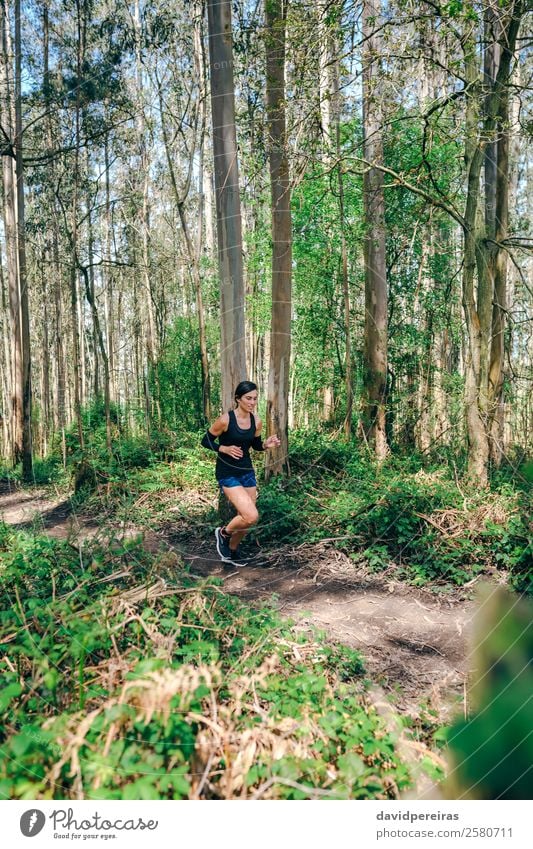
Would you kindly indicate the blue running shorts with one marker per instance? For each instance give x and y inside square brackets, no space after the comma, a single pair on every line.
[247,480]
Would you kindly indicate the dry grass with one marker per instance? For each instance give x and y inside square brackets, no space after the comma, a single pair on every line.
[229,741]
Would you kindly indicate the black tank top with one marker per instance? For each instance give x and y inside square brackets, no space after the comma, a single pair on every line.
[235,435]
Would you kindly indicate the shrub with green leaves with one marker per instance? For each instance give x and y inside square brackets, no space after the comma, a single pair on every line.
[124,677]
[418,519]
[492,748]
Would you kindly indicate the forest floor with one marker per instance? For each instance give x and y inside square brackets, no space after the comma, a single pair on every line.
[414,641]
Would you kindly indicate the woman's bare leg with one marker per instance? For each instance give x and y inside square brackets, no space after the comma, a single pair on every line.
[243,499]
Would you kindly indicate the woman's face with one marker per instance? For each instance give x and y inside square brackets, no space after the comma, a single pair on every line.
[248,402]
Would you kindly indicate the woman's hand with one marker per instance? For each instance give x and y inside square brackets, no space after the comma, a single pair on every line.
[272,442]
[231,450]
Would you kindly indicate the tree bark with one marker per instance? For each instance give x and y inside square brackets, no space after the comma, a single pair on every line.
[27,459]
[484,356]
[59,386]
[228,205]
[375,342]
[10,235]
[142,183]
[277,461]
[348,424]
[497,190]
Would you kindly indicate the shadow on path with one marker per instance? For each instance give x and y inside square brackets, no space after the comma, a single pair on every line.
[413,641]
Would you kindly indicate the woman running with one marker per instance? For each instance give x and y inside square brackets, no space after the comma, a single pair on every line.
[231,436]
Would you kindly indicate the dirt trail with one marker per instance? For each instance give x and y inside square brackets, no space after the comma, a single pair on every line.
[414,641]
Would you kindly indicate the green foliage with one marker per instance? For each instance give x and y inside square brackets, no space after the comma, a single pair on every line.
[48,470]
[176,382]
[142,674]
[492,748]
[422,272]
[517,544]
[399,513]
[95,464]
[407,512]
[318,327]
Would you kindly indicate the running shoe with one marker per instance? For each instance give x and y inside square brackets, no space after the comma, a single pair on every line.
[239,557]
[223,548]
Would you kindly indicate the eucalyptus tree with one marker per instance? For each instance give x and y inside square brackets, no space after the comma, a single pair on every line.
[484,270]
[15,234]
[228,207]
[280,346]
[376,332]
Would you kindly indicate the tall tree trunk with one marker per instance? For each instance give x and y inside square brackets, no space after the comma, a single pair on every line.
[27,460]
[59,384]
[100,345]
[46,423]
[142,183]
[477,439]
[200,59]
[109,278]
[480,248]
[375,343]
[13,175]
[327,72]
[10,234]
[278,378]
[348,424]
[6,369]
[228,205]
[497,189]
[77,340]
[329,102]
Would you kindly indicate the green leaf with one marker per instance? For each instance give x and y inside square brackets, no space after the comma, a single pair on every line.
[352,766]
[8,694]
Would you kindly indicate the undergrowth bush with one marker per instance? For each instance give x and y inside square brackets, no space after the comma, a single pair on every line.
[411,513]
[126,678]
[418,519]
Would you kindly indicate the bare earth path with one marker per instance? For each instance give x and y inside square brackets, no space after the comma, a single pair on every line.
[414,641]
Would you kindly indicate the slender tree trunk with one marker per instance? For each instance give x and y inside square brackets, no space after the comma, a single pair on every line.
[197,250]
[99,341]
[59,388]
[207,191]
[479,247]
[327,73]
[375,343]
[6,369]
[329,121]
[142,182]
[497,189]
[228,206]
[109,279]
[348,424]
[77,340]
[46,422]
[10,234]
[27,460]
[280,356]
